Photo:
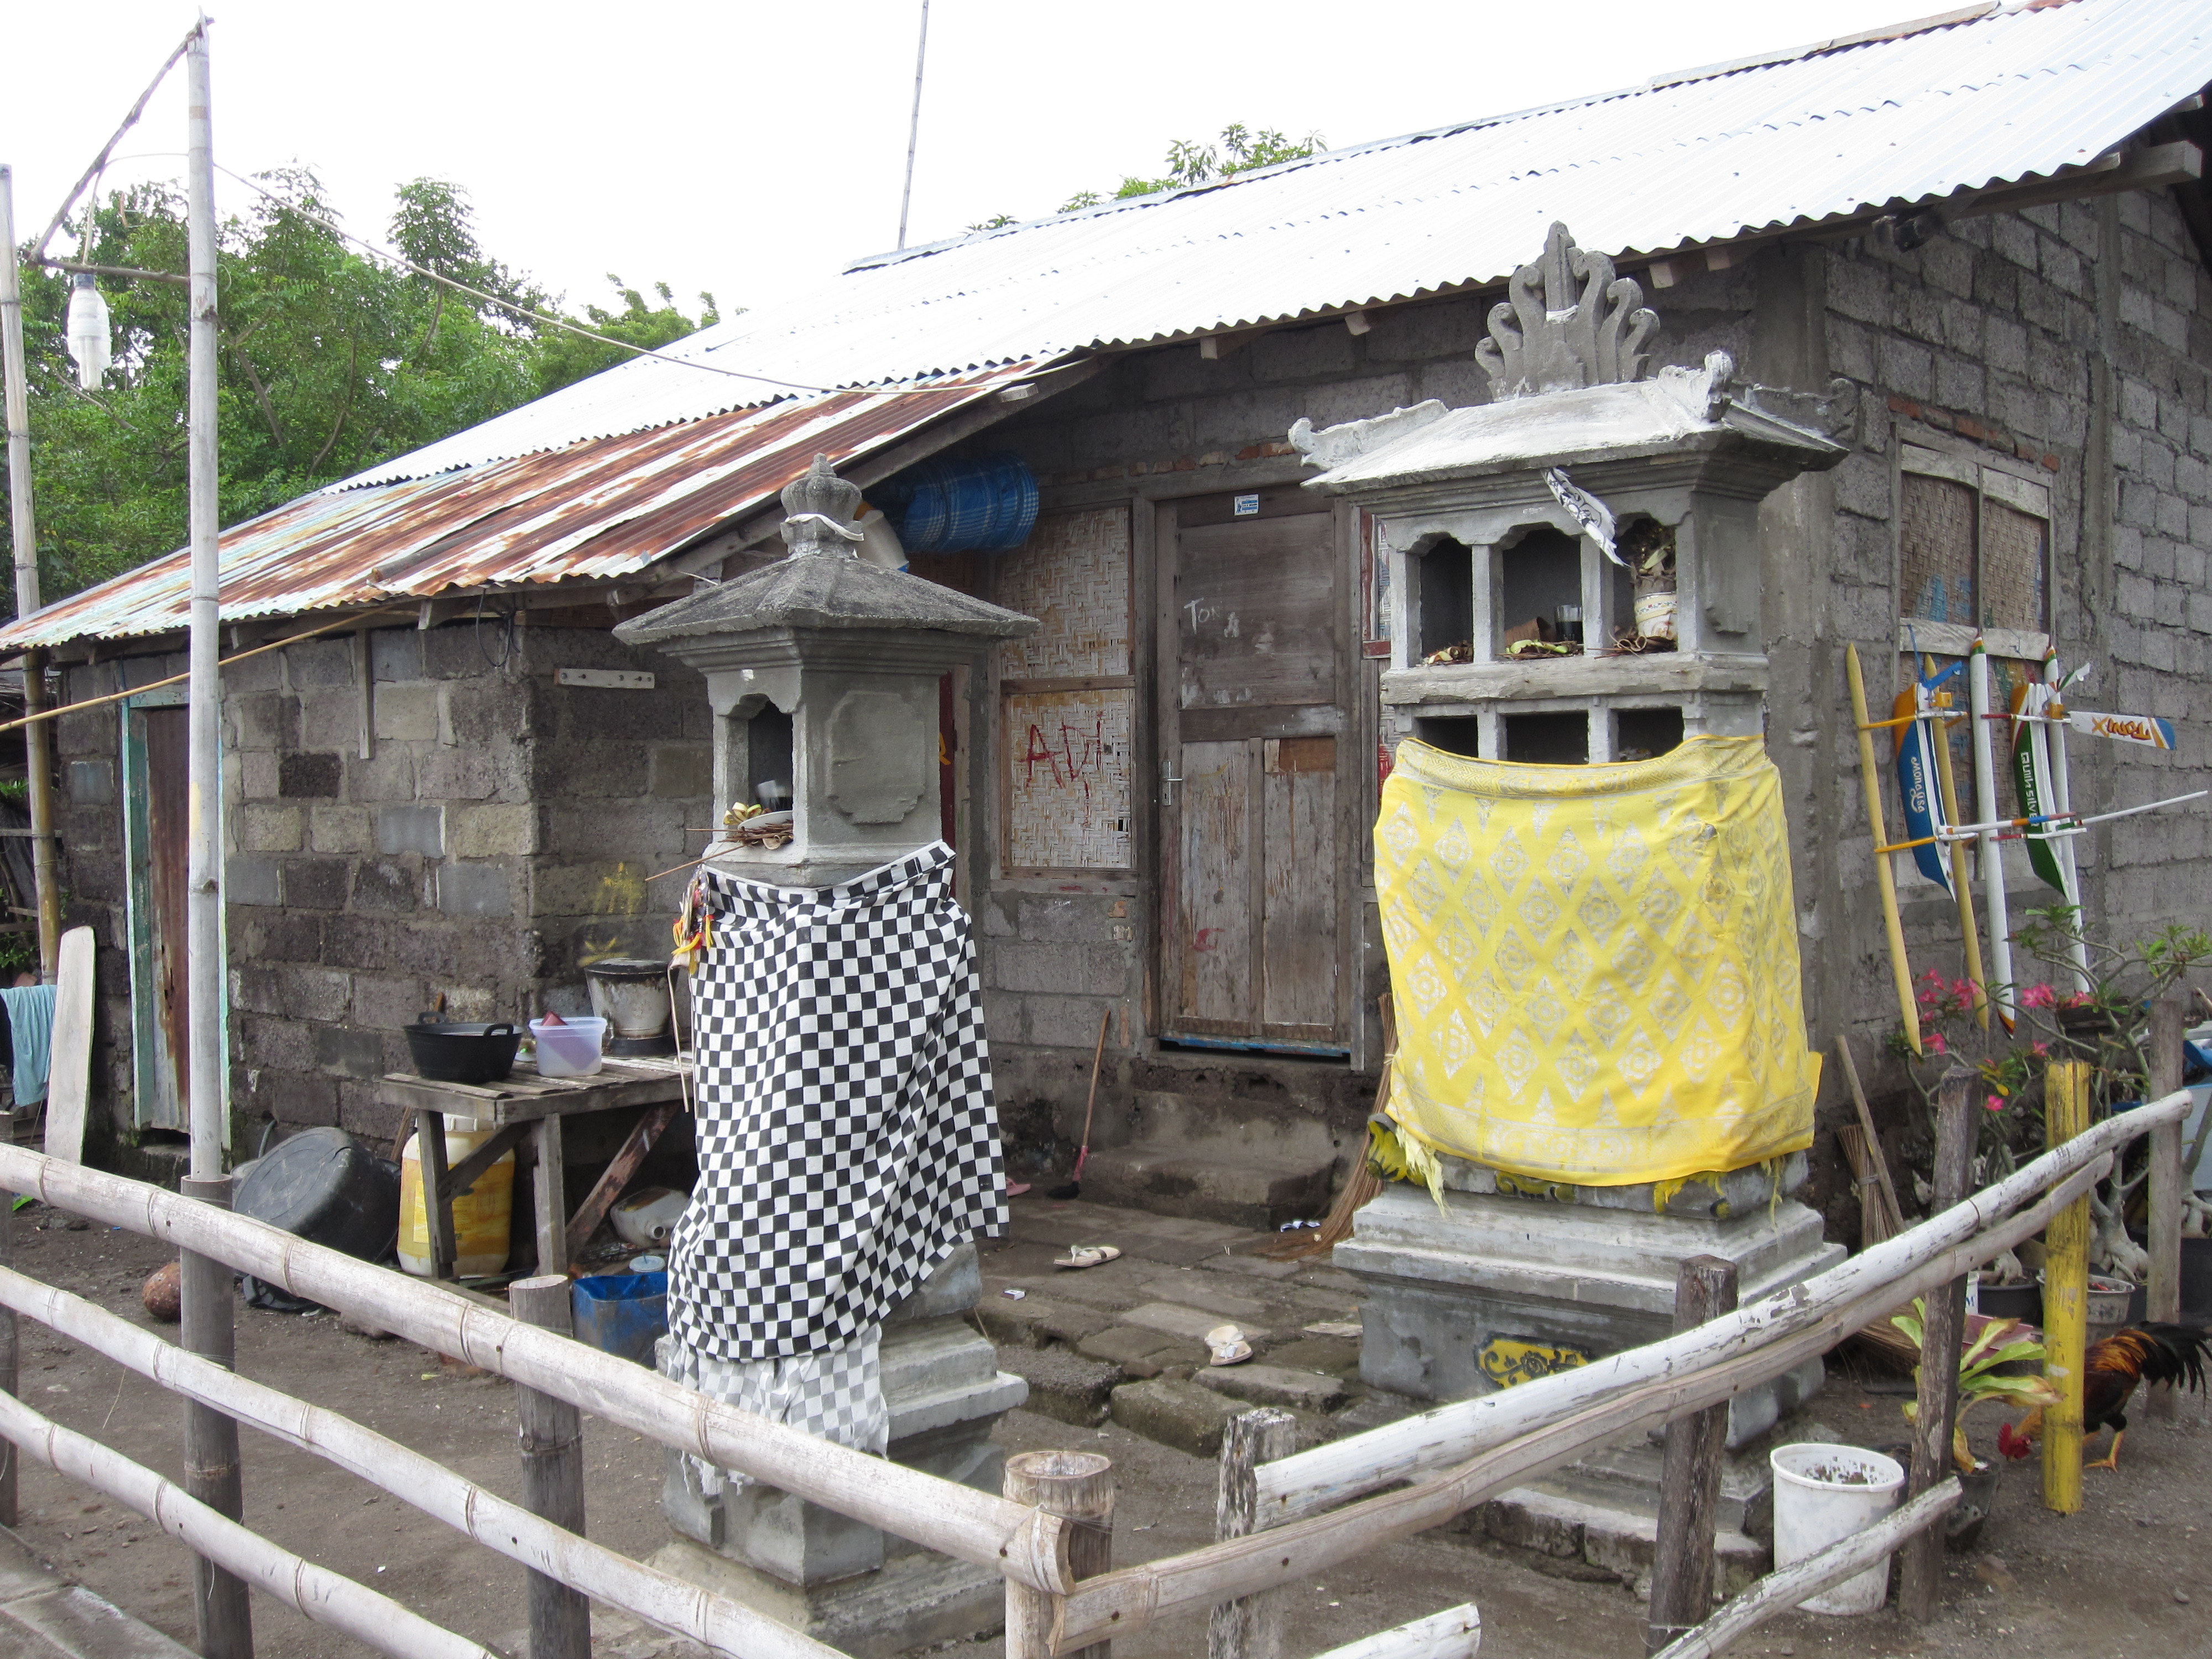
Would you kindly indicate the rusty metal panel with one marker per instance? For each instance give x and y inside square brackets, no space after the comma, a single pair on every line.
[156,760]
[1067,801]
[597,510]
[1072,575]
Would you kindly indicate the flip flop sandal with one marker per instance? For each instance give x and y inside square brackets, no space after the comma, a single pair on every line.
[1227,1345]
[1088,1256]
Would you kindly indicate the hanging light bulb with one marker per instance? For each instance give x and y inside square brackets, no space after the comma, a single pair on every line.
[89,331]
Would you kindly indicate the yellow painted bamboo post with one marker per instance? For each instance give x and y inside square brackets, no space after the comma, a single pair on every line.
[2065,1296]
[1885,881]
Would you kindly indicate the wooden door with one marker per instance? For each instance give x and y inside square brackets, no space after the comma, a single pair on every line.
[156,757]
[1255,738]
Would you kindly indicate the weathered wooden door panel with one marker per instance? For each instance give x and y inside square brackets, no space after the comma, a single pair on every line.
[1298,958]
[155,762]
[1254,928]
[1215,861]
[1255,610]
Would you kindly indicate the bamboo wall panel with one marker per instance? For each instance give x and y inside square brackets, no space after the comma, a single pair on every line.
[1067,779]
[1072,575]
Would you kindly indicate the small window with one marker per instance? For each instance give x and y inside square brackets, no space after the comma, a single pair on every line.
[1447,602]
[1548,739]
[1455,734]
[1645,733]
[1973,554]
[1541,573]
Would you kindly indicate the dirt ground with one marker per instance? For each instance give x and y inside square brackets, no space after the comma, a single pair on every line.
[2130,1575]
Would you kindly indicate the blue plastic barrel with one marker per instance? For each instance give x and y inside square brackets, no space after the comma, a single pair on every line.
[985,506]
[622,1314]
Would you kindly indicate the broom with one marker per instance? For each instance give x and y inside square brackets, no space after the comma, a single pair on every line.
[1074,1189]
[1364,1181]
[1881,1215]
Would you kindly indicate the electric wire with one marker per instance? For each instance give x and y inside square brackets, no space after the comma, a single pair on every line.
[107,149]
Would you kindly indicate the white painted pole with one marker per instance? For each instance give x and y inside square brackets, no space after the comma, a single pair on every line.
[913,126]
[209,1126]
[2052,738]
[2003,993]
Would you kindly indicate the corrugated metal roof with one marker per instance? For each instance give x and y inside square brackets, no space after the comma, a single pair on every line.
[1832,130]
[600,509]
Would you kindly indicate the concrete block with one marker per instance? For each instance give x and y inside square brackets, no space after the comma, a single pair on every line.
[344,1051]
[383,1004]
[1336,1354]
[315,883]
[682,771]
[1120,1345]
[91,783]
[287,936]
[1175,1413]
[340,829]
[467,774]
[255,773]
[1063,1385]
[407,713]
[417,829]
[323,662]
[249,881]
[310,776]
[256,990]
[387,885]
[389,775]
[301,1098]
[267,828]
[1260,1384]
[330,721]
[264,719]
[492,829]
[1035,1322]
[476,890]
[395,653]
[315,993]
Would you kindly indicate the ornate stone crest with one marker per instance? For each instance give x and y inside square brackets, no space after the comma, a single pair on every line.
[819,509]
[1567,322]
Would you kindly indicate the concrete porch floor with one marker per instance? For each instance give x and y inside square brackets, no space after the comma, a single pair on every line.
[44,1616]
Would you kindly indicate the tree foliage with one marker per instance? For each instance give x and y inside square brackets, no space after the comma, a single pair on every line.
[329,362]
[1241,149]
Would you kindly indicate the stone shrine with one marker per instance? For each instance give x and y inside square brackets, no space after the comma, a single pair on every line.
[1570,574]
[822,672]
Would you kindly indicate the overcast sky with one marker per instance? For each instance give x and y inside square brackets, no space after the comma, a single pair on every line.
[751,148]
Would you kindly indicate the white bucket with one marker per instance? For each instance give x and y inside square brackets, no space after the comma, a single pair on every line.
[1822,1495]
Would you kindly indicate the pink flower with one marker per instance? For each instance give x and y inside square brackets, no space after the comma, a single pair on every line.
[1993,1104]
[2039,996]
[1936,1043]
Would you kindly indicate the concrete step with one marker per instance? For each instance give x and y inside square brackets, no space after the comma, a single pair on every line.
[1249,1189]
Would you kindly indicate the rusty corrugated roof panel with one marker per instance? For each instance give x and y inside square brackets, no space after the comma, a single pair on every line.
[600,509]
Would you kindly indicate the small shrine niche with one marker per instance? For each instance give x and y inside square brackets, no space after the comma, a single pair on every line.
[1577,571]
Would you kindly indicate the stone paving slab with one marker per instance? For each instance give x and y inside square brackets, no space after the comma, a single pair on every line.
[1192,1323]
[43,1616]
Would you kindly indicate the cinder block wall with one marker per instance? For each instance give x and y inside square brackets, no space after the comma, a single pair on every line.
[500,835]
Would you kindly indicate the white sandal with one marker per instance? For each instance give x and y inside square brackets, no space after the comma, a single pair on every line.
[1088,1256]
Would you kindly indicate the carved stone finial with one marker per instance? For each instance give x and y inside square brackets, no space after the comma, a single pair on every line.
[1567,322]
[817,512]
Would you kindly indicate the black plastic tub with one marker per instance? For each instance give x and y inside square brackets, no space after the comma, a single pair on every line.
[446,1051]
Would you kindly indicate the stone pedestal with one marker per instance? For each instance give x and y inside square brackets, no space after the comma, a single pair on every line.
[1517,1279]
[842,1581]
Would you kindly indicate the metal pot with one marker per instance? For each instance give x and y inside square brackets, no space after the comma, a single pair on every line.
[451,1051]
[631,994]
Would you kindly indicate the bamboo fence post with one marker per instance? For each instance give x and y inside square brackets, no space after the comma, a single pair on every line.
[2065,1296]
[1900,970]
[9,1358]
[2169,1021]
[1079,1486]
[1690,1472]
[211,1471]
[1250,1626]
[1920,1577]
[552,1433]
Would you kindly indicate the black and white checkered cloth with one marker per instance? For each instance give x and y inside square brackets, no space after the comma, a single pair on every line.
[846,1137]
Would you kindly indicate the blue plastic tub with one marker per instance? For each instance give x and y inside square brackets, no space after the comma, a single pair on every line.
[622,1313]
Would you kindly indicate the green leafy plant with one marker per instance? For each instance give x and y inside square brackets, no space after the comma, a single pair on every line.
[1999,1343]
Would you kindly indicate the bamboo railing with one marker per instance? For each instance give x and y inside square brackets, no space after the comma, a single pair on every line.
[1310,1510]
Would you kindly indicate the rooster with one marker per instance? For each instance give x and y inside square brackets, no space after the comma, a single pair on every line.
[2140,1353]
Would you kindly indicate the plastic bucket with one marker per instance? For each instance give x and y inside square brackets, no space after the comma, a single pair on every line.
[570,1048]
[622,1314]
[482,1216]
[1822,1495]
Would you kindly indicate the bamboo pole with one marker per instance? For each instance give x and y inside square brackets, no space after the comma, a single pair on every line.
[1896,1218]
[1969,930]
[1454,1633]
[2169,1021]
[2065,1296]
[1690,1474]
[212,1475]
[1079,1486]
[1250,1626]
[674,1604]
[1901,969]
[552,1476]
[1920,1577]
[1023,1544]
[1991,858]
[313,1592]
[1130,1599]
[1447,1435]
[1780,1591]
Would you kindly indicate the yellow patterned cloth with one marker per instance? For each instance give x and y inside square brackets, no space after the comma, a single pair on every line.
[1596,966]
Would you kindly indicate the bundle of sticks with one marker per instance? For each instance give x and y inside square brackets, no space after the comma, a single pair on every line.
[1363,1183]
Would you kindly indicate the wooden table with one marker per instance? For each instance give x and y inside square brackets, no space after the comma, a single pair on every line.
[528,1106]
